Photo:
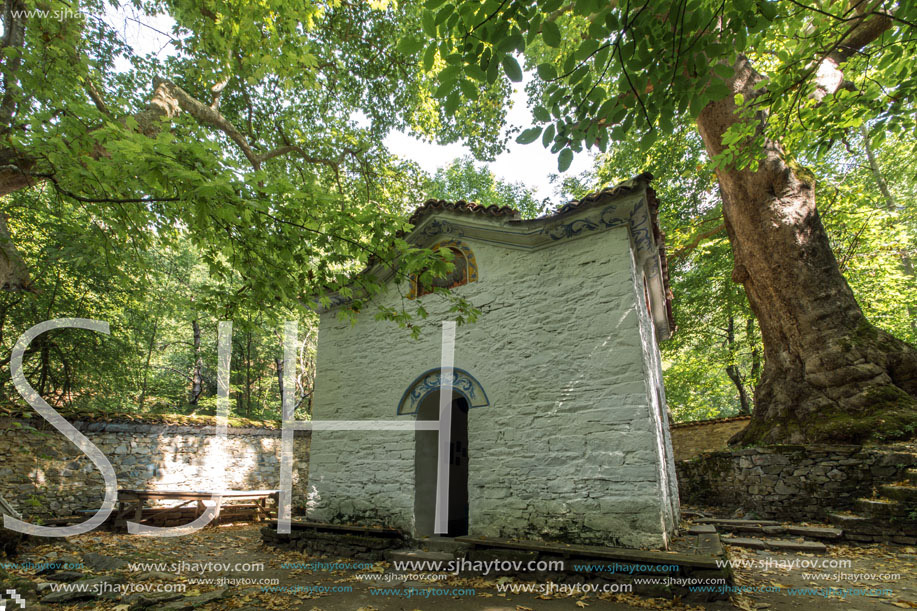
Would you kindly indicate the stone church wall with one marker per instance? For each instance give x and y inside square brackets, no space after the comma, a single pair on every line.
[44,475]
[568,447]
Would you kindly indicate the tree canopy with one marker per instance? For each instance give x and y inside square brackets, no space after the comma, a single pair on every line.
[243,174]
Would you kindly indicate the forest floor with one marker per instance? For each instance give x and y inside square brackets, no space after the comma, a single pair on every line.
[185,563]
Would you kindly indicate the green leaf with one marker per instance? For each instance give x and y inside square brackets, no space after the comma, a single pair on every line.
[723,71]
[587,48]
[541,113]
[529,135]
[564,160]
[409,45]
[739,99]
[550,34]
[768,9]
[468,88]
[493,71]
[546,72]
[511,68]
[548,136]
[444,89]
[429,57]
[452,102]
[717,90]
[428,22]
[444,14]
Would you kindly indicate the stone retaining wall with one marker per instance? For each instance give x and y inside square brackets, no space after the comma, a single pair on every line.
[42,474]
[789,482]
[692,438]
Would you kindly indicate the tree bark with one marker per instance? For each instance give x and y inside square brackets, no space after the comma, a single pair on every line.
[14,274]
[828,375]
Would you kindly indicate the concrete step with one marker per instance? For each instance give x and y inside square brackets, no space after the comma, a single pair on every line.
[442,544]
[417,555]
[884,528]
[736,523]
[782,545]
[911,475]
[770,528]
[880,508]
[815,532]
[903,494]
[851,522]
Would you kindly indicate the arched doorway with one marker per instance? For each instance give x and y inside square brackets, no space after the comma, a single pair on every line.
[426,446]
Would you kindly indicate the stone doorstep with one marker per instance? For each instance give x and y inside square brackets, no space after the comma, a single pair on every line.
[701,529]
[911,475]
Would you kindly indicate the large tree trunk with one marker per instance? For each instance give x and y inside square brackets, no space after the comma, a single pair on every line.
[829,375]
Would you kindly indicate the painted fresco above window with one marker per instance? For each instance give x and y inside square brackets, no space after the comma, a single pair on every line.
[465,270]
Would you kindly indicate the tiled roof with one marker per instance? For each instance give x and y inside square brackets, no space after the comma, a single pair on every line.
[436,205]
[625,187]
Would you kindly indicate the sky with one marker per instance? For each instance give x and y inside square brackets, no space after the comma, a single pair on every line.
[529,164]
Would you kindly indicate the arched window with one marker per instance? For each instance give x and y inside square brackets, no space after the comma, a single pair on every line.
[464,270]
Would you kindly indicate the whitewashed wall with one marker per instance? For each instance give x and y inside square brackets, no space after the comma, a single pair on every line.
[571,445]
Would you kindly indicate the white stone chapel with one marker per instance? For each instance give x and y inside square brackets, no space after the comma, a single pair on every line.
[559,427]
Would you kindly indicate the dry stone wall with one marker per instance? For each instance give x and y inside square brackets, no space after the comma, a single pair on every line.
[789,482]
[693,438]
[44,475]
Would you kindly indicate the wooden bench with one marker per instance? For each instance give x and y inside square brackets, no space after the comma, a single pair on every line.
[132,504]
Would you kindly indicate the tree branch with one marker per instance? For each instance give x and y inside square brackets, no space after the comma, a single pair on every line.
[829,77]
[681,252]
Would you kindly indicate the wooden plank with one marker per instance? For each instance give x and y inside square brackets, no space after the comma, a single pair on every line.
[594,551]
